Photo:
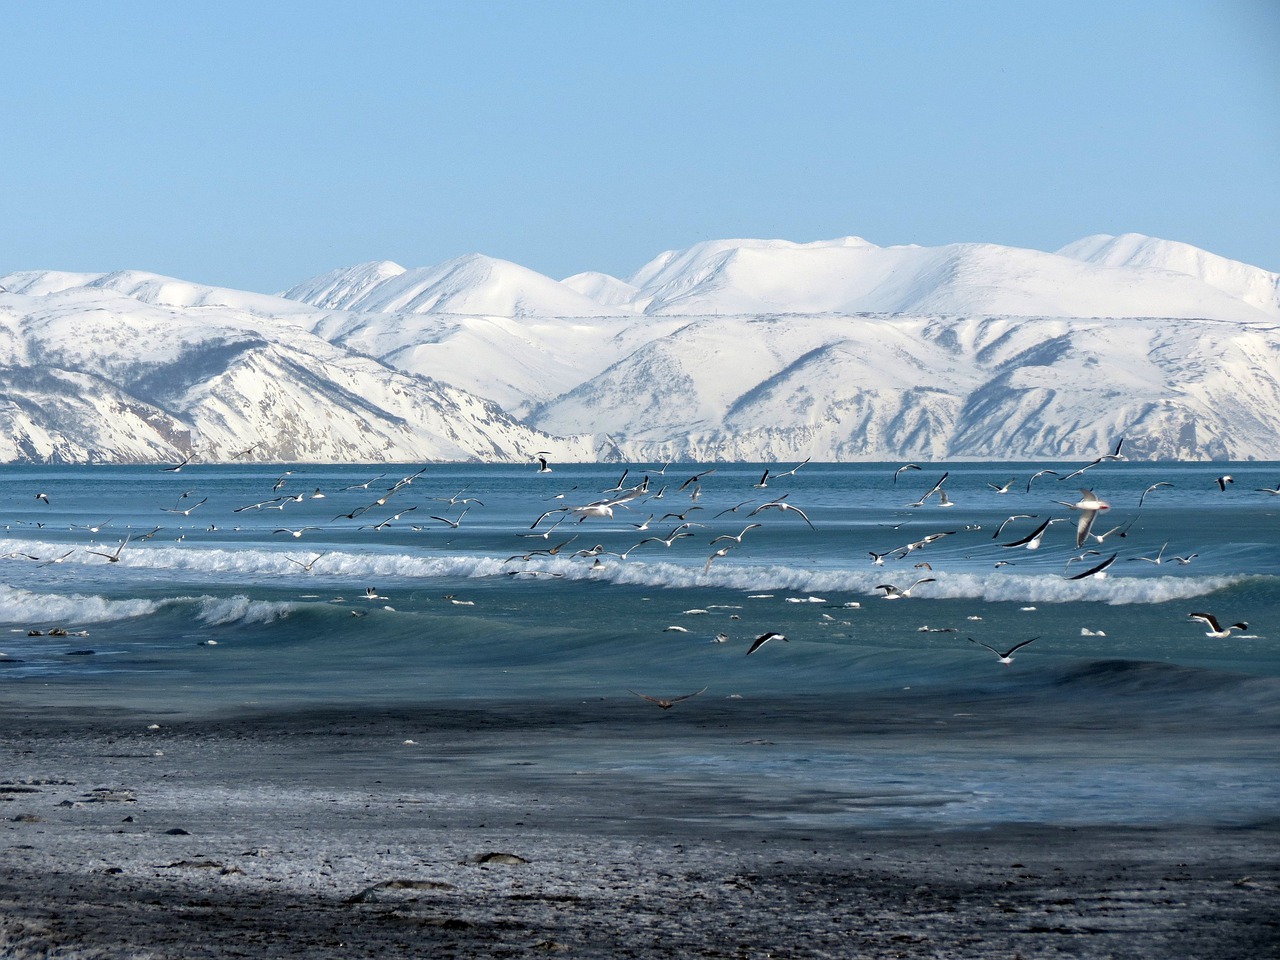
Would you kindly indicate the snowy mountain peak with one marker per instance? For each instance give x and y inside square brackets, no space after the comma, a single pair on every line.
[338,289]
[471,285]
[1255,286]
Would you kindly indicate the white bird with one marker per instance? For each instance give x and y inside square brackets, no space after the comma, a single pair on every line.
[1154,486]
[764,638]
[932,490]
[294,533]
[738,538]
[306,566]
[792,471]
[1089,506]
[1274,493]
[1157,559]
[186,512]
[905,466]
[895,593]
[453,524]
[1216,630]
[1006,657]
[1223,480]
[1038,474]
[1032,540]
[1001,488]
[781,504]
[1016,516]
[365,485]
[543,466]
[113,557]
[1098,570]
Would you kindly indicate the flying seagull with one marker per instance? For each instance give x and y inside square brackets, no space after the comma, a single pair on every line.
[1097,570]
[1216,630]
[1154,486]
[1088,505]
[764,638]
[781,504]
[1006,657]
[666,703]
[905,466]
[895,593]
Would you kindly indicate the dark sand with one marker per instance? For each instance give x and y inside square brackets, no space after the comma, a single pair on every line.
[322,833]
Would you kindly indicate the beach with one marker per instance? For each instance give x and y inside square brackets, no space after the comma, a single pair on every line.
[463,830]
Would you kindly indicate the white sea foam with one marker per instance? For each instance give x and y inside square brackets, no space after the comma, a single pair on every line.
[218,611]
[25,607]
[1023,588]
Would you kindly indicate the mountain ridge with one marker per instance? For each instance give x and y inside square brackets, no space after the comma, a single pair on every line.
[729,349]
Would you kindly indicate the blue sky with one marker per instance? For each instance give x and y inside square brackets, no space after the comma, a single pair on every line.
[256,144]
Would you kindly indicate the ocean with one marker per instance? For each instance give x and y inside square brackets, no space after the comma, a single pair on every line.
[238,590]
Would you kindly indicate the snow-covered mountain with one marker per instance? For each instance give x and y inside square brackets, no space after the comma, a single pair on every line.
[147,368]
[735,349]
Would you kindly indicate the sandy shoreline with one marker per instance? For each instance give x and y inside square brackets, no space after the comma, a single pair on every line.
[322,833]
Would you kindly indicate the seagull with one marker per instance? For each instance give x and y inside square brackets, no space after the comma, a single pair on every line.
[934,489]
[1161,483]
[459,498]
[781,504]
[679,533]
[1032,540]
[259,505]
[792,471]
[113,557]
[1187,559]
[1096,570]
[43,496]
[764,638]
[1088,505]
[177,467]
[543,466]
[1216,630]
[1113,455]
[666,703]
[387,522]
[715,556]
[764,480]
[894,593]
[186,512]
[1223,481]
[1274,493]
[1157,558]
[738,538]
[1120,531]
[1007,656]
[1001,489]
[453,524]
[1016,516]
[734,509]
[308,564]
[365,485]
[905,466]
[696,478]
[294,533]
[1041,473]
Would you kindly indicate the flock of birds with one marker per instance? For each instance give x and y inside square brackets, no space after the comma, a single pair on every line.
[675,513]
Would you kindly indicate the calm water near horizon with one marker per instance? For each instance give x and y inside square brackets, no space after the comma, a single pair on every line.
[1122,710]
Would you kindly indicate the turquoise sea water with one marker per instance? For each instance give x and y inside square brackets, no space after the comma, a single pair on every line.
[1121,710]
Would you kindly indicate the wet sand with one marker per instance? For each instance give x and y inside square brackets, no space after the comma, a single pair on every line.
[322,833]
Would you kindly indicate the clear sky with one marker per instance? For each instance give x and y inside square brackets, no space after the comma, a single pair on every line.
[255,144]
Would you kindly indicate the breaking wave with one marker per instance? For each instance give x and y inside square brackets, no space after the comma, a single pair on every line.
[19,606]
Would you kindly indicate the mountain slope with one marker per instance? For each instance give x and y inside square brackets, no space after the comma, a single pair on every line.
[90,373]
[734,349]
